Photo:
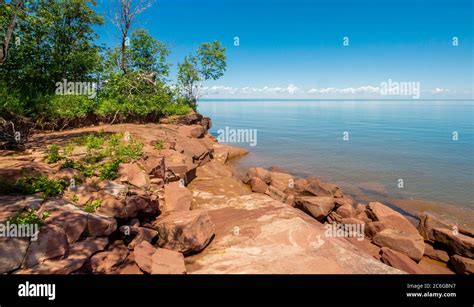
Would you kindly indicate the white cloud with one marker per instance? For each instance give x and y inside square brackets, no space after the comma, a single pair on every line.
[293,90]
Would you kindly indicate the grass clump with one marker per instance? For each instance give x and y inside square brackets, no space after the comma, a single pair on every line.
[92,205]
[105,153]
[109,170]
[27,185]
[52,154]
[29,217]
[159,145]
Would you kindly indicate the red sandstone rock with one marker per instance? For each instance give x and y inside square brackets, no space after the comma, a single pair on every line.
[165,261]
[411,245]
[177,198]
[462,265]
[107,262]
[318,207]
[457,243]
[258,185]
[276,194]
[392,219]
[400,261]
[12,253]
[131,173]
[51,243]
[317,188]
[185,231]
[436,254]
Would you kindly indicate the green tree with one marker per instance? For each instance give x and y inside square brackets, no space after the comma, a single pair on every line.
[53,40]
[145,55]
[148,54]
[208,63]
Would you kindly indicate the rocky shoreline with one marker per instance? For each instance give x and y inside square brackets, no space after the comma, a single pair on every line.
[163,199]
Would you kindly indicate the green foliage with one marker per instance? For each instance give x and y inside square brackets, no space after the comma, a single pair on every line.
[212,58]
[48,187]
[109,170]
[52,154]
[75,198]
[158,145]
[209,63]
[92,205]
[113,148]
[56,42]
[69,107]
[29,217]
[28,184]
[132,95]
[148,54]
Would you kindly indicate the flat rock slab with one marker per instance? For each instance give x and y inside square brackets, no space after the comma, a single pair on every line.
[255,234]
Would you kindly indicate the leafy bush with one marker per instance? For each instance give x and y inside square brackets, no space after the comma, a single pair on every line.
[92,205]
[69,107]
[29,216]
[52,154]
[109,170]
[30,185]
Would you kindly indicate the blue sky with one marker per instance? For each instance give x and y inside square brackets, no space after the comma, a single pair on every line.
[294,48]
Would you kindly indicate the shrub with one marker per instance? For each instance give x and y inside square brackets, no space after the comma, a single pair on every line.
[109,170]
[30,184]
[69,107]
[29,216]
[52,154]
[92,205]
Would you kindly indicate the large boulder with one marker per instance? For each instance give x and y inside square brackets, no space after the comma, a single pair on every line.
[318,206]
[428,222]
[276,194]
[317,188]
[185,232]
[142,255]
[67,216]
[165,261]
[132,174]
[411,245]
[51,243]
[260,173]
[177,198]
[99,225]
[436,254]
[79,253]
[400,261]
[345,211]
[107,262]
[457,243]
[258,185]
[281,181]
[154,166]
[392,219]
[462,265]
[118,208]
[142,234]
[373,228]
[192,131]
[12,253]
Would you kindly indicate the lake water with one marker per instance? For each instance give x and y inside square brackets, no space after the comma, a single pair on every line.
[387,141]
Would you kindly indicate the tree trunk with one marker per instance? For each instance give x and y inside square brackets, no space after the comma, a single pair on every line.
[9,32]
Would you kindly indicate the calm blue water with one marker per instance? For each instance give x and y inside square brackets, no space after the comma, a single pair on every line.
[388,140]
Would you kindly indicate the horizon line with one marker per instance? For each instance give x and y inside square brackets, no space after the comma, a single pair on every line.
[335,99]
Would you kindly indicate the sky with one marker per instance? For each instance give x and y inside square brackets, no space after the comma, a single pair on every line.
[322,49]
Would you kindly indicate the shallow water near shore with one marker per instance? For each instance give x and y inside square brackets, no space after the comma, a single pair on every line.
[385,141]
